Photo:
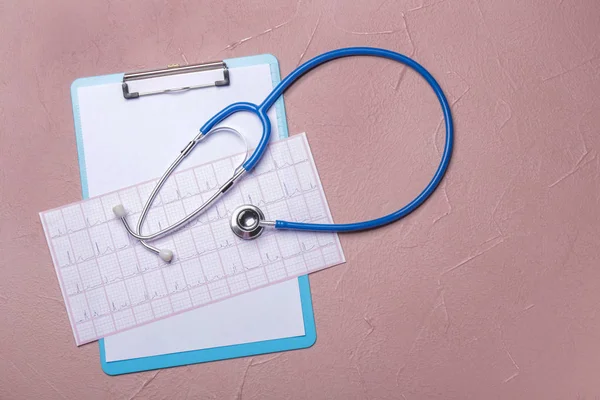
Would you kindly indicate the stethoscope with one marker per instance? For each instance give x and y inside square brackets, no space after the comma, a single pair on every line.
[248,221]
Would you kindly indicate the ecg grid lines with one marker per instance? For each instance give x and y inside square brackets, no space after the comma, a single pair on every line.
[110,283]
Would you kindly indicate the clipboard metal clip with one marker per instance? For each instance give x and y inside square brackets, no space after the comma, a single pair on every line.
[174,70]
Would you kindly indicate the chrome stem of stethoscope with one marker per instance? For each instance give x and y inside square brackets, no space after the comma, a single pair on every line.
[164,254]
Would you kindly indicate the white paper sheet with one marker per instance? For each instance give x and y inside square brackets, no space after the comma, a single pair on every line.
[259,315]
[102,132]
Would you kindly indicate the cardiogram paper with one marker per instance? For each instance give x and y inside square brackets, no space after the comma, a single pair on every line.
[110,283]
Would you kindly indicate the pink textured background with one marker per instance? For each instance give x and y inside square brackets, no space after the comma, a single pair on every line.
[491,290]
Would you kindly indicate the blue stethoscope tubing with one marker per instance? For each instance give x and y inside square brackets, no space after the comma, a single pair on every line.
[261,112]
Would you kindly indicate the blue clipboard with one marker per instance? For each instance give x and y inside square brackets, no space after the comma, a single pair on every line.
[216,353]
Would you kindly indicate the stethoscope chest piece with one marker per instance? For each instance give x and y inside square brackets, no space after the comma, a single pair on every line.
[246,222]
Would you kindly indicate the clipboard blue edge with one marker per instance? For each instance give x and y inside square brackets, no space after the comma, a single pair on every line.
[216,353]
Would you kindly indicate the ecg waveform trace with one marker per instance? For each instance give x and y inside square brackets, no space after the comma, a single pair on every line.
[110,283]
